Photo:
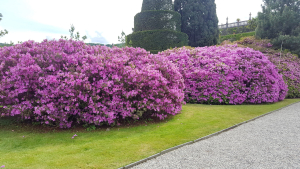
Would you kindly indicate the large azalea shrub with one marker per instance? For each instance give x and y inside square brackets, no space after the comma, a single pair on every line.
[61,82]
[227,75]
[288,64]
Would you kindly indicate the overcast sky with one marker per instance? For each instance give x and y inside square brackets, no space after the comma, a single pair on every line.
[101,20]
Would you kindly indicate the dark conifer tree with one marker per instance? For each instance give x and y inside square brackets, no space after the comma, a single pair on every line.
[157,27]
[278,17]
[280,21]
[199,21]
[155,5]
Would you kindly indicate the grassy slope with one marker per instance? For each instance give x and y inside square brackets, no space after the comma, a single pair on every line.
[121,145]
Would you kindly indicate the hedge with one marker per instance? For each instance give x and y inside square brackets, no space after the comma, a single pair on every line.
[151,20]
[149,5]
[157,40]
[235,37]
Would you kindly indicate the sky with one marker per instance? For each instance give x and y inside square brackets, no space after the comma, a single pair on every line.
[102,21]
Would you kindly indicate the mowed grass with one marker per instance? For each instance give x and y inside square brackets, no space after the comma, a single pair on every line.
[120,145]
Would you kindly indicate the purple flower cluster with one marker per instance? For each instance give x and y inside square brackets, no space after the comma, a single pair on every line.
[66,81]
[227,75]
[287,64]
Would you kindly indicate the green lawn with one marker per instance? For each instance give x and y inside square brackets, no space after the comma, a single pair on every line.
[121,145]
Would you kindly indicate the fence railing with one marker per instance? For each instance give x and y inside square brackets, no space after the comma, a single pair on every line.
[234,24]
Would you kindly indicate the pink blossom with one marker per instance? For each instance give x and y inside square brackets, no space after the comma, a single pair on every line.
[65,81]
[227,75]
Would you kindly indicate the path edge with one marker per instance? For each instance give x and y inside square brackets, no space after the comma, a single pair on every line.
[200,139]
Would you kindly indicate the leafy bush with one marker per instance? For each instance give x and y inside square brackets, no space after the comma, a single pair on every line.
[4,44]
[287,64]
[157,27]
[280,21]
[288,42]
[151,20]
[158,5]
[235,37]
[157,40]
[227,75]
[61,82]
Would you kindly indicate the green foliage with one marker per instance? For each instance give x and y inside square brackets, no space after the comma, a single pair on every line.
[199,21]
[235,37]
[122,38]
[157,40]
[252,24]
[280,21]
[150,5]
[71,30]
[150,20]
[108,45]
[5,44]
[278,18]
[157,27]
[72,36]
[4,32]
[289,43]
[89,127]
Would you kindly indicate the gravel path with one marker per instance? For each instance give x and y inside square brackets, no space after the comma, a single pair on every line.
[272,141]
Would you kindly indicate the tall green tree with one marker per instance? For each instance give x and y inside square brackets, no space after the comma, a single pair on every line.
[154,5]
[199,21]
[2,32]
[278,17]
[280,21]
[157,27]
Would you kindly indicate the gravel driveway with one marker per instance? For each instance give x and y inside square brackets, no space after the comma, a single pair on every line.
[272,141]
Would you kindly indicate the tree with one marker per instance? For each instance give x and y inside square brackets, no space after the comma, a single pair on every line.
[252,24]
[280,21]
[157,27]
[122,38]
[76,36]
[199,21]
[157,5]
[4,32]
[238,21]
[278,18]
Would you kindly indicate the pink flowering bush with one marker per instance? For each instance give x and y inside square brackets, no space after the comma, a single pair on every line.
[61,82]
[227,75]
[287,64]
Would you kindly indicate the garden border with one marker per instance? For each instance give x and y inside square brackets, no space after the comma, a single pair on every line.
[202,138]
